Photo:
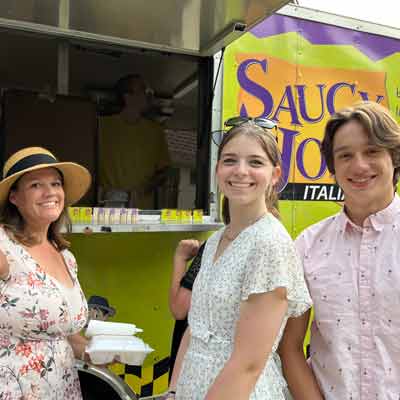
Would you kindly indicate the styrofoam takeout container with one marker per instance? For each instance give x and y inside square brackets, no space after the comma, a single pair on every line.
[96,327]
[129,350]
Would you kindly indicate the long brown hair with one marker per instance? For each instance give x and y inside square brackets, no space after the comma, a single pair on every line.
[268,142]
[14,223]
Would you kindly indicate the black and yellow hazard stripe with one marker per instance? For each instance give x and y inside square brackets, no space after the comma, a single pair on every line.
[147,380]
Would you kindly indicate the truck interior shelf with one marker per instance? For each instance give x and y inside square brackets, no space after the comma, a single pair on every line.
[88,229]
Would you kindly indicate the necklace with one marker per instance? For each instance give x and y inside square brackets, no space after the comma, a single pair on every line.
[231,238]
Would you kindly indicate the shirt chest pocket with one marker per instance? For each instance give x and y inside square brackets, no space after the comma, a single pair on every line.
[332,290]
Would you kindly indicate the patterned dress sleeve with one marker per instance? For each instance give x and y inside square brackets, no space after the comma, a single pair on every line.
[71,262]
[5,250]
[194,268]
[272,264]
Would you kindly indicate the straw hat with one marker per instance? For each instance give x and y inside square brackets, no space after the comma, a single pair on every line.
[77,179]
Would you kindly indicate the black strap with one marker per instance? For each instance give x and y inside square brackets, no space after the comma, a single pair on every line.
[30,161]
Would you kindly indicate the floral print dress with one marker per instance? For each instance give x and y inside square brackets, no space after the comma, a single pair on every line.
[36,316]
[260,259]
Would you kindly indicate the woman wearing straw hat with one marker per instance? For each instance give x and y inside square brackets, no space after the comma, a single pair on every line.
[42,307]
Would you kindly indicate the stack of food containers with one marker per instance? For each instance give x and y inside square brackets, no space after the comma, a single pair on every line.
[115,342]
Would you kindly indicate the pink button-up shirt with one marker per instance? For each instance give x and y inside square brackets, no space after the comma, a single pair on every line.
[353,275]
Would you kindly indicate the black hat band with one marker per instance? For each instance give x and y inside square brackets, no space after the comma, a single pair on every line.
[30,161]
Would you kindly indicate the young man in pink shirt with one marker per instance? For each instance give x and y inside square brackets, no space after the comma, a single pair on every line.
[352,267]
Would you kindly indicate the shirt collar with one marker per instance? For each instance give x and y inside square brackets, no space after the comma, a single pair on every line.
[377,220]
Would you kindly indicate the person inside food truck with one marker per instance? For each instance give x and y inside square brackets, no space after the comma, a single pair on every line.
[351,262]
[133,151]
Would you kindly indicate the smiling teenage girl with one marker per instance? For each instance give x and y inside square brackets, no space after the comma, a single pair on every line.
[249,283]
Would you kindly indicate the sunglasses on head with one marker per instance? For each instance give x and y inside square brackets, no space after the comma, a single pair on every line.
[234,122]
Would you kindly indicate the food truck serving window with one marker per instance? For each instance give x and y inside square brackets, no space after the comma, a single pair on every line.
[127,122]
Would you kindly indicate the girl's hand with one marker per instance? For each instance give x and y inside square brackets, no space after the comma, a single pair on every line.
[169,396]
[187,249]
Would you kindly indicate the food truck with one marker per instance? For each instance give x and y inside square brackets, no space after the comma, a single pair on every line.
[203,61]
[60,62]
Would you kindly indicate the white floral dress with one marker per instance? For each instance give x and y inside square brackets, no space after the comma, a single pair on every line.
[36,360]
[260,259]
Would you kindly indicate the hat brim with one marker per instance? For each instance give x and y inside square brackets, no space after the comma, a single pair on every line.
[77,180]
[109,310]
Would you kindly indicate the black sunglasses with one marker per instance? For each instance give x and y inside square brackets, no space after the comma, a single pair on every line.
[234,122]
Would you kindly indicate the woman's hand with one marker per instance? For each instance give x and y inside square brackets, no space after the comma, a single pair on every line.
[187,249]
[78,344]
[179,297]
[170,395]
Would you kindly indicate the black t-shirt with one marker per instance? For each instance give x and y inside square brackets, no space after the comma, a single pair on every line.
[194,268]
[181,325]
